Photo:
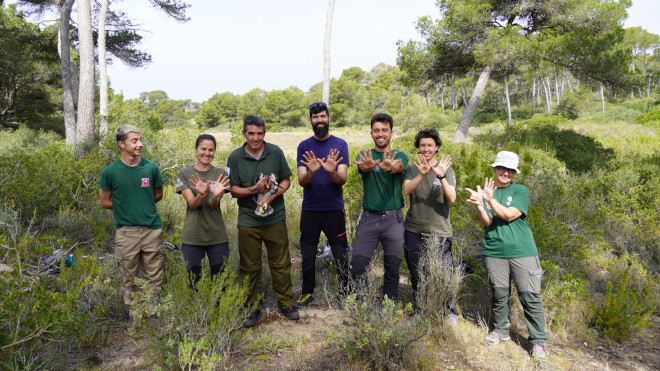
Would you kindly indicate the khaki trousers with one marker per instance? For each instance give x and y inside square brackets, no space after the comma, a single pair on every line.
[139,249]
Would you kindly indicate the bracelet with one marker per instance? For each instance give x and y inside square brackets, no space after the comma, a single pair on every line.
[214,198]
[201,196]
[441,177]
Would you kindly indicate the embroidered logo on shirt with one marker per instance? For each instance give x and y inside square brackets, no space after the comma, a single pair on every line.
[508,201]
[437,182]
[179,183]
[145,182]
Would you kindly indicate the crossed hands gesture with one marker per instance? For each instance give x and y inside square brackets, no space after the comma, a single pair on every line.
[480,195]
[314,164]
[216,187]
[367,162]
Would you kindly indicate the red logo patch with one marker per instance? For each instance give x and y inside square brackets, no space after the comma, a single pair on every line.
[145,182]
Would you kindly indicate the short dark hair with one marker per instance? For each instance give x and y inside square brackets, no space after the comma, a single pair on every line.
[254,120]
[382,117]
[318,107]
[428,133]
[202,137]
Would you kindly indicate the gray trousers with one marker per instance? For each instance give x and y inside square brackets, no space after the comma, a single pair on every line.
[388,230]
[526,273]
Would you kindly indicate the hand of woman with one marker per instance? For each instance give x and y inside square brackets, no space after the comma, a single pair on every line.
[422,165]
[199,186]
[476,197]
[218,187]
[489,189]
[441,169]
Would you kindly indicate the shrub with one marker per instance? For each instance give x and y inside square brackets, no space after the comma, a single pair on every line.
[383,336]
[648,117]
[631,298]
[200,326]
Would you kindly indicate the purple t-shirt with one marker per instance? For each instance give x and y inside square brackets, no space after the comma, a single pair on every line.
[322,194]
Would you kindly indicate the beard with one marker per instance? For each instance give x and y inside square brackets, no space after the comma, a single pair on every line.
[321,130]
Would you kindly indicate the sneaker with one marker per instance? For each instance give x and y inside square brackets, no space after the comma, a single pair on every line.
[304,300]
[495,337]
[251,319]
[291,313]
[452,319]
[538,351]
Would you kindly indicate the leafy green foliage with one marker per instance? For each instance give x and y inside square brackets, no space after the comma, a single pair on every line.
[648,117]
[628,304]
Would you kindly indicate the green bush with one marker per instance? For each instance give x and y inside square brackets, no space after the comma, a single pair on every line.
[382,337]
[631,298]
[648,117]
[24,139]
[201,326]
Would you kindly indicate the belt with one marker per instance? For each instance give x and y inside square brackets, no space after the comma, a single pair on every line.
[388,212]
[131,226]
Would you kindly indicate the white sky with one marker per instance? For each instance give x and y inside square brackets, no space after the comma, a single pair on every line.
[240,45]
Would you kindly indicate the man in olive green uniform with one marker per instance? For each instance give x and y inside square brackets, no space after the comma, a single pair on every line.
[259,175]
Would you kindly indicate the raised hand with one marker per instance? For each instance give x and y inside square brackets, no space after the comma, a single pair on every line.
[422,165]
[443,165]
[309,159]
[365,160]
[218,187]
[330,164]
[476,197]
[197,184]
[489,189]
[388,162]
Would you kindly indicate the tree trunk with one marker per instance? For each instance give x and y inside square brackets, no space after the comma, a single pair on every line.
[533,95]
[549,91]
[64,41]
[557,93]
[427,96]
[547,95]
[602,96]
[103,73]
[85,128]
[441,91]
[326,52]
[471,108]
[454,101]
[463,95]
[508,102]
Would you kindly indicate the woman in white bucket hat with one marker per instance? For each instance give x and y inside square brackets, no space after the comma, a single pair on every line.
[510,251]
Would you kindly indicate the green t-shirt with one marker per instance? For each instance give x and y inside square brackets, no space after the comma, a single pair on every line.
[382,190]
[243,172]
[203,226]
[429,209]
[132,190]
[510,240]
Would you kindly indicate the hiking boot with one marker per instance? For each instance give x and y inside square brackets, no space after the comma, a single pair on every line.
[538,351]
[291,313]
[304,300]
[452,319]
[251,319]
[495,337]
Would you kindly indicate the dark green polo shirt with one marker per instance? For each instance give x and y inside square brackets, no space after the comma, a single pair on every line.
[382,190]
[243,172]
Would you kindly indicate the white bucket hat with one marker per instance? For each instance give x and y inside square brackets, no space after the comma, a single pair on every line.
[507,159]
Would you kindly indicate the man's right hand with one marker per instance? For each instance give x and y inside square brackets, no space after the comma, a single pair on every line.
[309,159]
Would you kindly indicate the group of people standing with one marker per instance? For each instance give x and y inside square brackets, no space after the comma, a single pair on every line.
[257,175]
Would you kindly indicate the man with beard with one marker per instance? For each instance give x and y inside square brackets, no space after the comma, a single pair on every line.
[381,220]
[322,179]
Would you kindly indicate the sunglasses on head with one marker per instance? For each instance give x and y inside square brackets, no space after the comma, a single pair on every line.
[317,105]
